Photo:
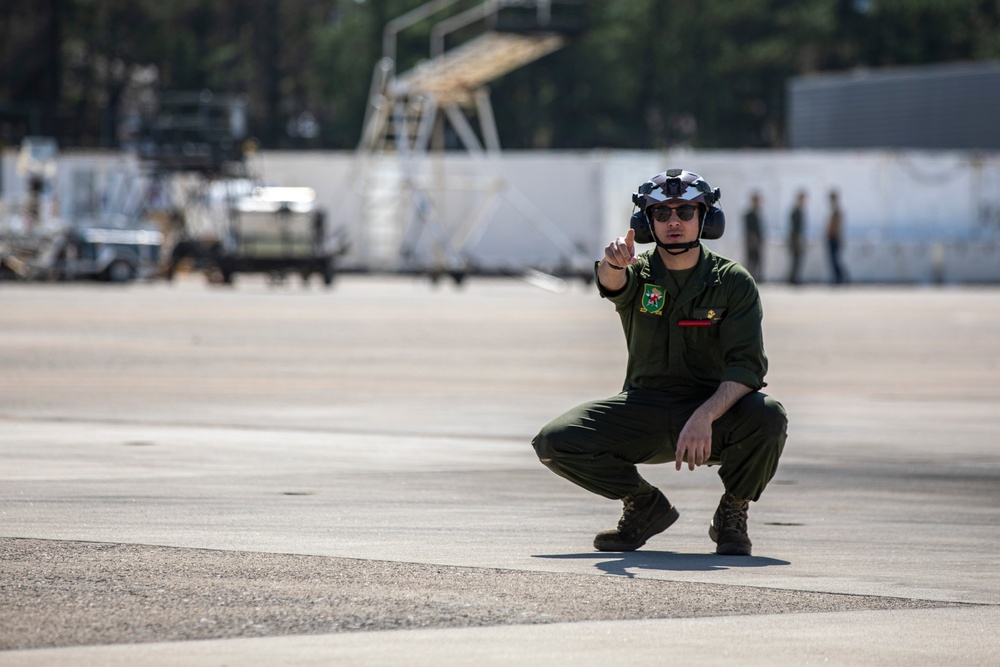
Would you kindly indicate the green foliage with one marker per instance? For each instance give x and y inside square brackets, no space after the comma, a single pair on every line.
[646,74]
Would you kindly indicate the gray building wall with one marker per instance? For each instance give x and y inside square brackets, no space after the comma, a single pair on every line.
[947,106]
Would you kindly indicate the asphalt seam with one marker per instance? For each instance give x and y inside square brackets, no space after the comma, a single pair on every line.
[410,435]
[58,593]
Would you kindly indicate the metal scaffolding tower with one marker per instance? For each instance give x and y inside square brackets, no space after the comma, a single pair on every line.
[407,113]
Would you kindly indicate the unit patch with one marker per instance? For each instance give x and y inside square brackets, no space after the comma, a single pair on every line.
[653,299]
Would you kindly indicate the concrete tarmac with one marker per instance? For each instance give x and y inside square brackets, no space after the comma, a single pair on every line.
[272,474]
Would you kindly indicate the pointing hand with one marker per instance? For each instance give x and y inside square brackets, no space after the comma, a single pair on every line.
[621,251]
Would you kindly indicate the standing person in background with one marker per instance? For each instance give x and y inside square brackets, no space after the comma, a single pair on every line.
[33,205]
[797,238]
[834,235]
[753,229]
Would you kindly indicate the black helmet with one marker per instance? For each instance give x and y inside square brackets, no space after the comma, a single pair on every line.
[677,185]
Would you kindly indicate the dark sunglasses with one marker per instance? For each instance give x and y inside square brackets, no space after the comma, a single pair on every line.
[685,213]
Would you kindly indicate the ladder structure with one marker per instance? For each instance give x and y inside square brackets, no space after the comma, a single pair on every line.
[407,113]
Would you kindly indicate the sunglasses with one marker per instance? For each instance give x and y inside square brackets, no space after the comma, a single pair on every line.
[664,213]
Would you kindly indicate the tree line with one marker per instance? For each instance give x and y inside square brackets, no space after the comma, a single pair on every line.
[645,74]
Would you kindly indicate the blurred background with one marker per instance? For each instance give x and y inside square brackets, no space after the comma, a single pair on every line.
[462,137]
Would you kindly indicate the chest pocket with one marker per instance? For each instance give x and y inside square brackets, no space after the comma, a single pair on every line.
[702,348]
[649,331]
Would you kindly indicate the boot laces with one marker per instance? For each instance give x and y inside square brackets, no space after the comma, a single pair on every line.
[734,515]
[628,512]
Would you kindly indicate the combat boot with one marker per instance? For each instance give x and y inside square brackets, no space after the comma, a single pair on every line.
[729,527]
[645,515]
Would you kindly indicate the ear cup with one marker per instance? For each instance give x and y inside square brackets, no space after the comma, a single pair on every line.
[715,224]
[640,223]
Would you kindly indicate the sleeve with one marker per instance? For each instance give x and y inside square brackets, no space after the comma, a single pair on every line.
[741,334]
[618,297]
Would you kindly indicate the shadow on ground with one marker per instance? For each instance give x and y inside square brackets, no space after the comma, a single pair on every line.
[667,561]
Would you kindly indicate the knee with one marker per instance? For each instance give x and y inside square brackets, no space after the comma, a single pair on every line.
[762,416]
[774,419]
[544,447]
[773,426]
[552,444]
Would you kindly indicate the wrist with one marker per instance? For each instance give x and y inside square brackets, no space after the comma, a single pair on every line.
[613,266]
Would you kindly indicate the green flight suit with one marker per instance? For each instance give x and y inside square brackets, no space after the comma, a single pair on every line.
[682,343]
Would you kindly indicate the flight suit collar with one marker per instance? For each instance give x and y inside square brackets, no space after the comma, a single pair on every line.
[706,274]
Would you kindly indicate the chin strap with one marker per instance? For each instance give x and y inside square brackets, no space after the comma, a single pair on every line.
[677,248]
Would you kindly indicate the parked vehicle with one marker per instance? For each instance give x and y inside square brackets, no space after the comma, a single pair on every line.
[115,255]
[273,230]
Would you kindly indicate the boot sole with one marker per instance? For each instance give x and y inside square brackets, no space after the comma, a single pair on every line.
[655,528]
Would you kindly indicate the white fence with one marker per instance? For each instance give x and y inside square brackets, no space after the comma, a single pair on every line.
[909,217]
